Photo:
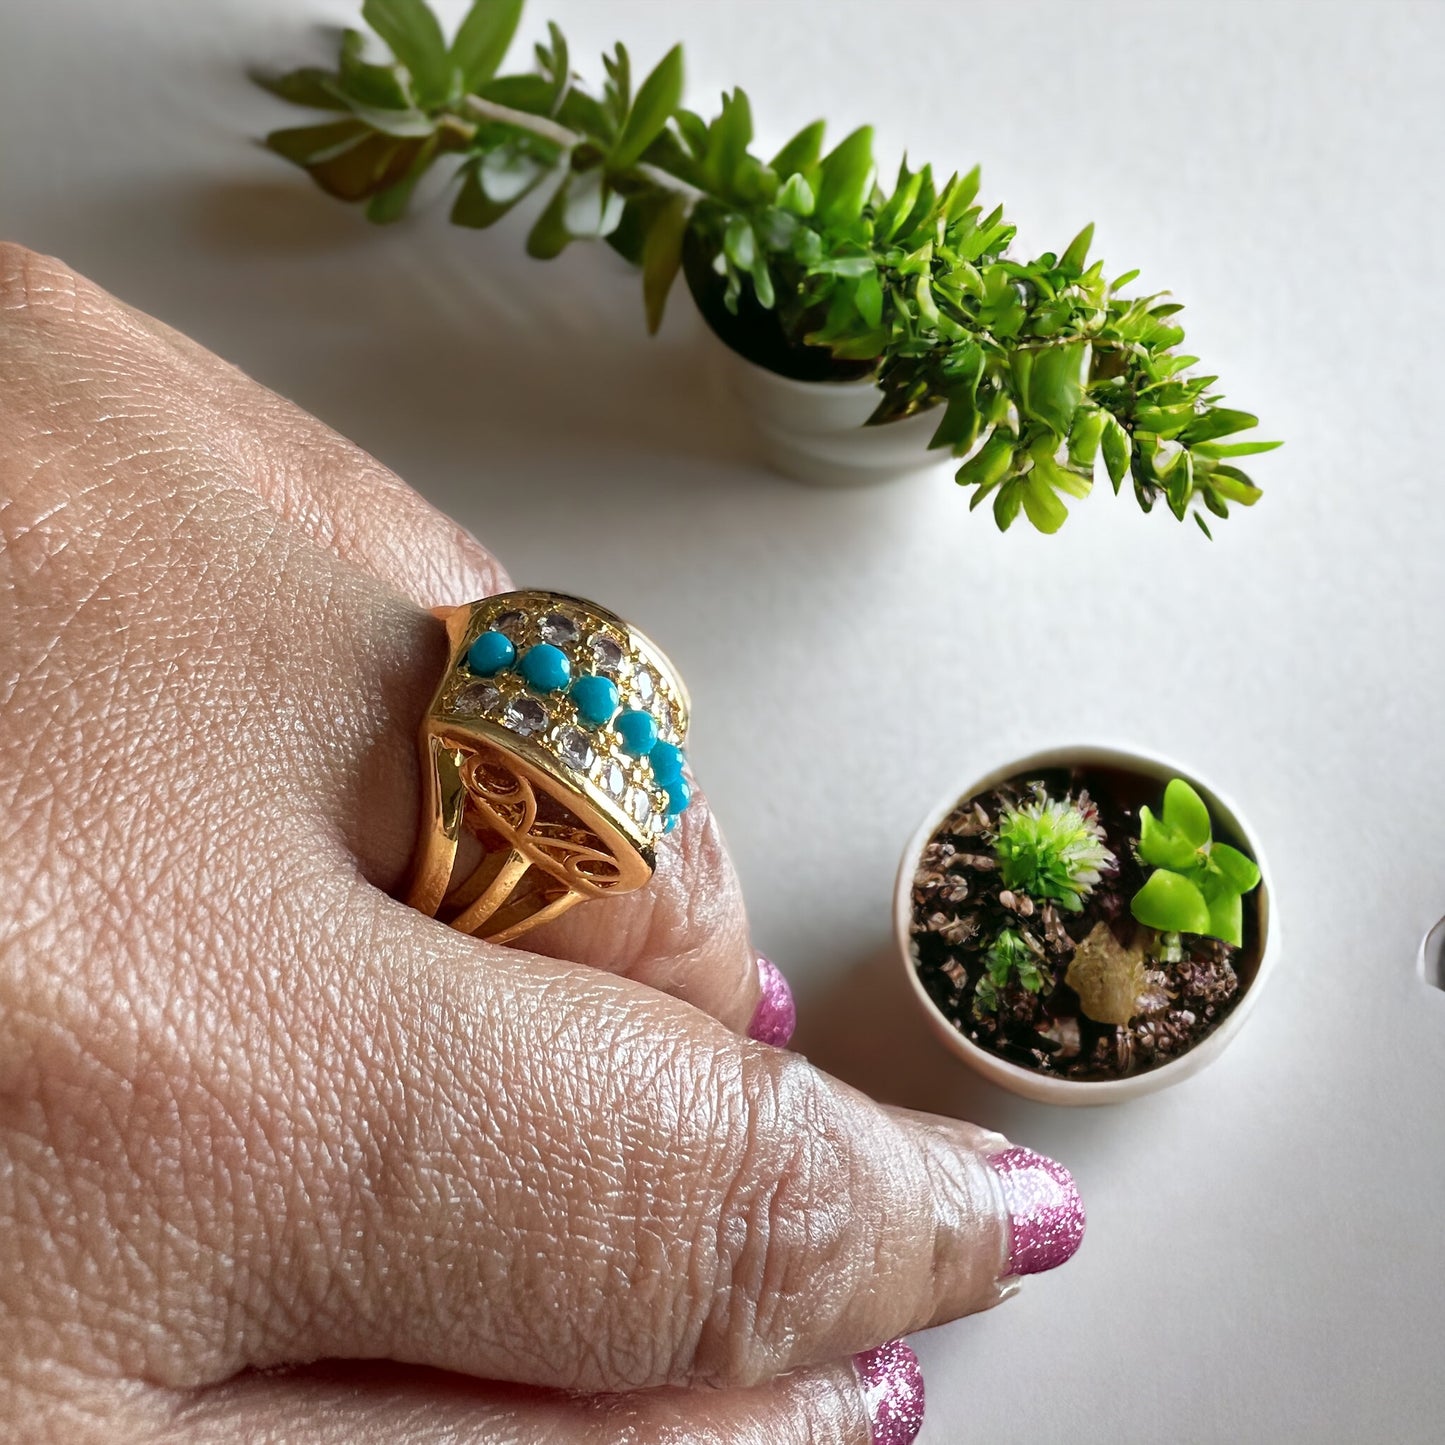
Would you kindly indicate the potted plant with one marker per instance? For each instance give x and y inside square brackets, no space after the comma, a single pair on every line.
[869,330]
[1084,925]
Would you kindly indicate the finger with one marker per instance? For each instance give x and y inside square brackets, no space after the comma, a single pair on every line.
[355,1405]
[538,1173]
[685,934]
[61,327]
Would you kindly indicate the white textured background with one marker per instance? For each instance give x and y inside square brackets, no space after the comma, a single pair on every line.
[1264,1260]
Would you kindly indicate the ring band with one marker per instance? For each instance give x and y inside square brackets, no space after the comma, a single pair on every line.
[555,739]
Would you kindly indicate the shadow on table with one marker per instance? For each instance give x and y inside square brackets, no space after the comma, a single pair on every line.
[422,330]
[867,1030]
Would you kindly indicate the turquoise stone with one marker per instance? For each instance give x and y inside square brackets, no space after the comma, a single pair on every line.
[596,699]
[491,653]
[666,760]
[545,668]
[679,795]
[638,731]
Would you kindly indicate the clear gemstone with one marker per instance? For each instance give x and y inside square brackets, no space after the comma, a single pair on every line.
[643,686]
[606,654]
[558,629]
[575,748]
[477,697]
[639,804]
[666,718]
[512,623]
[525,716]
[614,780]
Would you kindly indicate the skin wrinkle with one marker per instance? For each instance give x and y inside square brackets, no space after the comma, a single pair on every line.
[252,1111]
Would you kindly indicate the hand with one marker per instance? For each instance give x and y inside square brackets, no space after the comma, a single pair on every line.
[255,1113]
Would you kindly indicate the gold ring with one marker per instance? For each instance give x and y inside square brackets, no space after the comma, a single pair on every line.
[555,739]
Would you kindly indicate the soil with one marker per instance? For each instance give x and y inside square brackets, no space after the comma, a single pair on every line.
[960,904]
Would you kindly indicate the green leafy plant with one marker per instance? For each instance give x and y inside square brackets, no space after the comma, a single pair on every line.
[1008,957]
[1052,849]
[1197,885]
[1041,371]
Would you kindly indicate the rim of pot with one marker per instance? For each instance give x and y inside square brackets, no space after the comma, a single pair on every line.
[1049,1088]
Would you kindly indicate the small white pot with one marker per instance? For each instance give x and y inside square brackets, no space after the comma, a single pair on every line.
[1046,1088]
[814,432]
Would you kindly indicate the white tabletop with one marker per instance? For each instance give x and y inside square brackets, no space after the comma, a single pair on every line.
[1264,1258]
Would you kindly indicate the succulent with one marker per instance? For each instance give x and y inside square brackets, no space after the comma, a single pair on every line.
[1039,369]
[1052,849]
[1197,885]
[1009,958]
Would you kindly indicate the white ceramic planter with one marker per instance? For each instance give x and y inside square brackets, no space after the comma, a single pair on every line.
[814,432]
[1044,1087]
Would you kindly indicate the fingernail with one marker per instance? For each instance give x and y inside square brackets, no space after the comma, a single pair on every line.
[776,1015]
[1044,1208]
[892,1387]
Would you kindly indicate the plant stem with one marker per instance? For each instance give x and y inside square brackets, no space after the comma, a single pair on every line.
[537,125]
[560,136]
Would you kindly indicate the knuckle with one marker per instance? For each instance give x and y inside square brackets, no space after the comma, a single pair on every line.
[32,282]
[789,1243]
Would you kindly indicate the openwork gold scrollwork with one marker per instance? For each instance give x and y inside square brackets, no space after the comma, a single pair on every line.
[550,834]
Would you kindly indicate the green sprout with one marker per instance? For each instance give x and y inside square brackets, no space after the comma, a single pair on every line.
[1040,370]
[1052,850]
[1197,885]
[1009,956]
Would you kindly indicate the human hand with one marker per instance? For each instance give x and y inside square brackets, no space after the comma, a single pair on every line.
[254,1113]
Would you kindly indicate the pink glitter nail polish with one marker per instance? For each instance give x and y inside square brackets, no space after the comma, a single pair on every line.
[776,1015]
[1044,1207]
[892,1392]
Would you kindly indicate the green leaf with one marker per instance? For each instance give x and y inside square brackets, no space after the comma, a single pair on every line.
[844,176]
[482,39]
[592,208]
[1006,505]
[1238,870]
[308,86]
[1162,846]
[390,204]
[307,145]
[1170,903]
[727,141]
[1041,503]
[1062,479]
[1084,437]
[1056,385]
[739,243]
[796,196]
[549,234]
[800,155]
[961,196]
[763,281]
[868,298]
[415,38]
[661,257]
[1078,250]
[365,86]
[1232,483]
[1115,444]
[1218,421]
[1185,811]
[657,97]
[512,169]
[1234,449]
[990,464]
[1226,919]
[473,207]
